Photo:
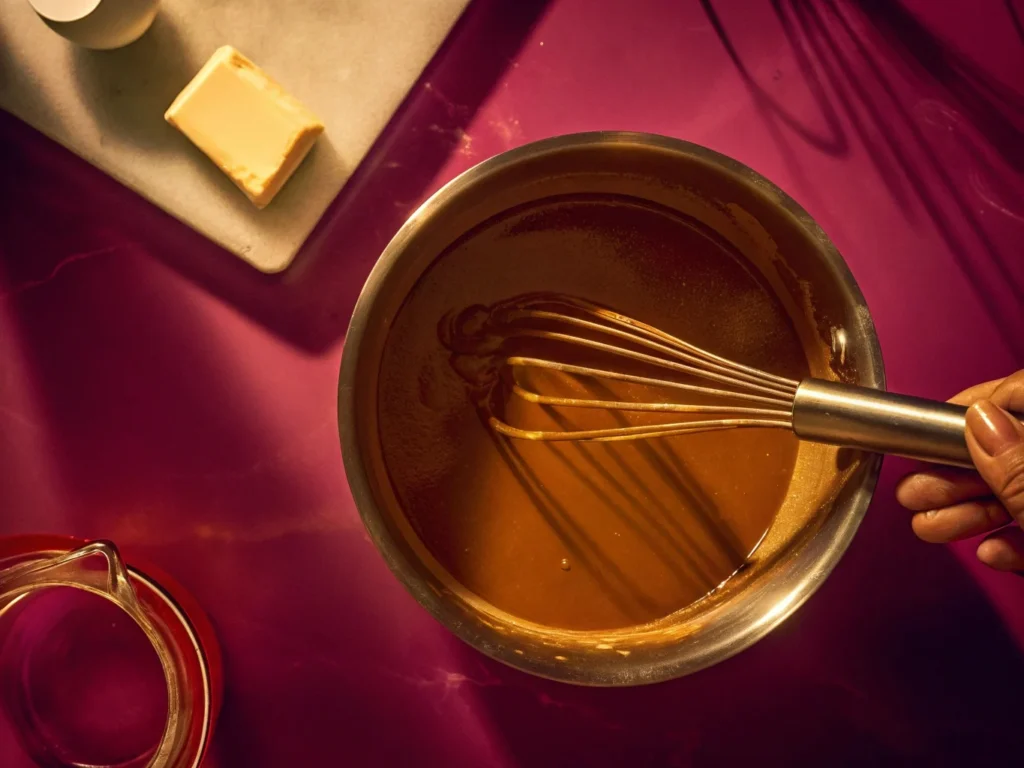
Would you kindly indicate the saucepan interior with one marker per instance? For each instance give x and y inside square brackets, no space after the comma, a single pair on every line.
[829,490]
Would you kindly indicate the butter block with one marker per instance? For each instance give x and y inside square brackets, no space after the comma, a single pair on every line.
[246,123]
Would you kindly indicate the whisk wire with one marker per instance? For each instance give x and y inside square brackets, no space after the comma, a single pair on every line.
[736,396]
[615,434]
[642,357]
[609,316]
[515,363]
[740,396]
[713,367]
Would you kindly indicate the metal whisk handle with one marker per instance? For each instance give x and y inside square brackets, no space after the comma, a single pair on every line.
[873,420]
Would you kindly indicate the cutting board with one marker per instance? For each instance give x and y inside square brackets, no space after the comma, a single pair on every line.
[350,61]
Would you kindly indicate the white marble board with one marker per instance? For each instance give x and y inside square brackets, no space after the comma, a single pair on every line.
[350,61]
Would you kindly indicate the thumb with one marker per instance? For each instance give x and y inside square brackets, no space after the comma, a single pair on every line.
[996,442]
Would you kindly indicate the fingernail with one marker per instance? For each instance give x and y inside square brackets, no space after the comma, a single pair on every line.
[991,427]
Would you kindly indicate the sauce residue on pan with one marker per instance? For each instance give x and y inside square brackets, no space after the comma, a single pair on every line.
[585,535]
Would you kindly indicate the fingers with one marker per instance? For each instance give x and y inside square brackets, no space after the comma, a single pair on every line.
[960,521]
[955,504]
[1009,395]
[996,442]
[940,488]
[977,392]
[1003,550]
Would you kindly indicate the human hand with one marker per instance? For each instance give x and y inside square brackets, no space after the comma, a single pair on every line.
[953,504]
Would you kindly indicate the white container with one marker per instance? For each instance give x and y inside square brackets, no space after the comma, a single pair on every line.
[98,24]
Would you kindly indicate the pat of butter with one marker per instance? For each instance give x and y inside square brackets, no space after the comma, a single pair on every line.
[246,123]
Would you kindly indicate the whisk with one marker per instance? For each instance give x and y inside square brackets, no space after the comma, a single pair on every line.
[741,396]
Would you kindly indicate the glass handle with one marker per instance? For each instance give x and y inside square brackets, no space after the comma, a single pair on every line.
[70,569]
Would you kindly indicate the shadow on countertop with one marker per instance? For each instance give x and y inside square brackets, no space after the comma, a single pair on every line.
[310,303]
[955,147]
[1015,15]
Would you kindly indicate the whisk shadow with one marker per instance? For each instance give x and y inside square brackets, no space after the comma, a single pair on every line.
[835,46]
[810,16]
[677,477]
[664,539]
[876,153]
[834,142]
[982,98]
[777,120]
[583,549]
[1015,19]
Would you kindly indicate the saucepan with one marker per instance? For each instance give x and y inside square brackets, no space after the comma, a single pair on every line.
[830,490]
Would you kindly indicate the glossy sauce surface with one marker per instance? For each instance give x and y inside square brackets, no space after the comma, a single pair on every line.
[585,535]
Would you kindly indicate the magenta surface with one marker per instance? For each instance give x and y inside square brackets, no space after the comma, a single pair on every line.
[157,391]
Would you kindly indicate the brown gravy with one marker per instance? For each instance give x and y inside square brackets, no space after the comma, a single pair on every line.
[586,535]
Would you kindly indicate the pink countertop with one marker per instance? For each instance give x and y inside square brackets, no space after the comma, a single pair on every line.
[156,391]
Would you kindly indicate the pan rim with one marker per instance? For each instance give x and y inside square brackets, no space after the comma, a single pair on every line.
[620,674]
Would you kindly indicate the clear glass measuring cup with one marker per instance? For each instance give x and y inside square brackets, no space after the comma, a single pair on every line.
[100,663]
